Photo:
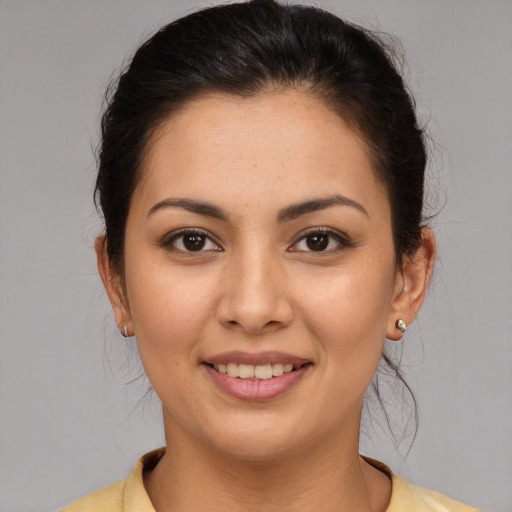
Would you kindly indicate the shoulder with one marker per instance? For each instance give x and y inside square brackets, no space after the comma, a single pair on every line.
[406,496]
[126,496]
[109,499]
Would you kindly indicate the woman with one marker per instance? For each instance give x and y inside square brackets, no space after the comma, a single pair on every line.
[261,178]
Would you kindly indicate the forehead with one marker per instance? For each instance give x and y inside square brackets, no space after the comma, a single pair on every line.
[283,146]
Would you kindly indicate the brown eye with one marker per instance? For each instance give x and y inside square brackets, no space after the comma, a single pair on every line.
[318,241]
[194,242]
[191,241]
[321,241]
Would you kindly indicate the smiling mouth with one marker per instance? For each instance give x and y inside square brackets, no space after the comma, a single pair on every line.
[255,372]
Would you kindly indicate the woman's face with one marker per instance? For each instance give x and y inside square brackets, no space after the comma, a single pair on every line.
[259,239]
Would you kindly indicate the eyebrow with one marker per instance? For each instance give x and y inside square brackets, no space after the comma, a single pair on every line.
[192,205]
[313,205]
[285,215]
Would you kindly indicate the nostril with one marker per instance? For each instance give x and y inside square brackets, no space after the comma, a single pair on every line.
[254,313]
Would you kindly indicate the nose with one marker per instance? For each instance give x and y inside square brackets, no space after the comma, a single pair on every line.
[254,298]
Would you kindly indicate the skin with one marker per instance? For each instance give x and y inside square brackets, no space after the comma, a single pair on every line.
[257,286]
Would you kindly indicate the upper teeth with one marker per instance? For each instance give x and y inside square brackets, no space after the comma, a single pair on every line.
[249,371]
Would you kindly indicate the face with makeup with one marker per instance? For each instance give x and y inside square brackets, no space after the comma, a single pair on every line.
[260,276]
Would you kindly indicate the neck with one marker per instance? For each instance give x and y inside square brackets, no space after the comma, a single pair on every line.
[328,478]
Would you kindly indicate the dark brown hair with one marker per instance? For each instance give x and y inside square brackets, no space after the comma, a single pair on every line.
[247,48]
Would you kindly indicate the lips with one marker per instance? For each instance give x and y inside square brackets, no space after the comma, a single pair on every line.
[256,377]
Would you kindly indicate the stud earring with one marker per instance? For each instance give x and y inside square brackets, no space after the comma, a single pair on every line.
[401,325]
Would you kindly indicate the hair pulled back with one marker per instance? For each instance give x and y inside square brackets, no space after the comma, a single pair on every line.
[247,48]
[257,46]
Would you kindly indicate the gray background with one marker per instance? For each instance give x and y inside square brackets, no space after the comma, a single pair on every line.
[68,422]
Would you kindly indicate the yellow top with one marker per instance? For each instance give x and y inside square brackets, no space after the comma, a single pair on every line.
[130,495]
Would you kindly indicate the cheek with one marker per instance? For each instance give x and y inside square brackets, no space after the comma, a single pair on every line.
[349,325]
[347,312]
[170,309]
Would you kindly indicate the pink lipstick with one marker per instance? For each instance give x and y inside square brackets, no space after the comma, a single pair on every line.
[256,377]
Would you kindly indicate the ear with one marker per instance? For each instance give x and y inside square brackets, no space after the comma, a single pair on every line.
[411,284]
[113,285]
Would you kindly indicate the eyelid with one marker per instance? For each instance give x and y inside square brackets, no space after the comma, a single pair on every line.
[167,240]
[341,237]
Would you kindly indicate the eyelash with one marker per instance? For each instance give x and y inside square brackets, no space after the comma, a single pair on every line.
[170,241]
[341,240]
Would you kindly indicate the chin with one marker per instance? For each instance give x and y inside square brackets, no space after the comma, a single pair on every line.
[261,437]
[253,448]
